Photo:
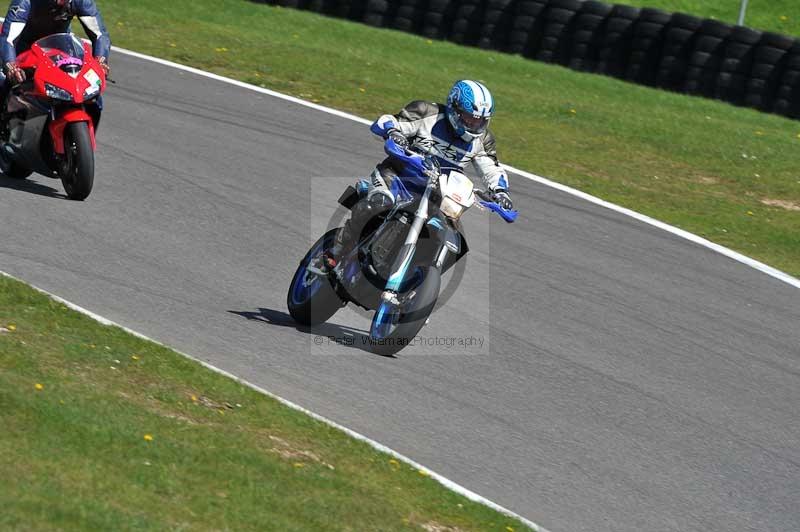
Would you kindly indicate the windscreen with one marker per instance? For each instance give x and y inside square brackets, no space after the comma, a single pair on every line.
[65,50]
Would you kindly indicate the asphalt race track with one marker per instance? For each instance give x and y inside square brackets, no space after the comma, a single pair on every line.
[628,380]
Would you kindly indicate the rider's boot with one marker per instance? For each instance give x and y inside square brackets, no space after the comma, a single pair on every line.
[346,237]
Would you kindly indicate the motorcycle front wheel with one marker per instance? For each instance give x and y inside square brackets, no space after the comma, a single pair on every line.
[311,299]
[77,174]
[395,326]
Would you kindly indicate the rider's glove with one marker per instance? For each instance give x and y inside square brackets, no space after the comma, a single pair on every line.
[398,138]
[14,73]
[502,198]
[104,65]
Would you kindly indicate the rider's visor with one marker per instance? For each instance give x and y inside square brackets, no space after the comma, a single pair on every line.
[473,124]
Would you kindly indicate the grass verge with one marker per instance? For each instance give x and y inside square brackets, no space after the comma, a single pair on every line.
[728,174]
[104,431]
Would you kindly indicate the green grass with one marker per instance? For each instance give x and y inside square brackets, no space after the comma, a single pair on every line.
[705,166]
[780,16]
[74,454]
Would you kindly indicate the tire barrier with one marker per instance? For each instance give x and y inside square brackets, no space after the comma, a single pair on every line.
[587,34]
[677,45]
[647,38]
[737,61]
[526,27]
[767,70]
[672,51]
[787,95]
[556,33]
[615,41]
[705,61]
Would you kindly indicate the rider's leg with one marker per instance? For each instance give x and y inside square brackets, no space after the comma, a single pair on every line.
[5,90]
[4,87]
[378,199]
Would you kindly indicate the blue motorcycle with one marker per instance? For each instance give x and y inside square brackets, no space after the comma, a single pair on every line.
[395,268]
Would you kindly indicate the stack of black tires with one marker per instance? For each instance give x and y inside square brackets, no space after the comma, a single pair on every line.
[587,33]
[526,27]
[787,94]
[466,22]
[673,51]
[556,32]
[736,65]
[769,64]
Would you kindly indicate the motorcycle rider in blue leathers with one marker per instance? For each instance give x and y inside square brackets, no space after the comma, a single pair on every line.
[29,20]
[457,133]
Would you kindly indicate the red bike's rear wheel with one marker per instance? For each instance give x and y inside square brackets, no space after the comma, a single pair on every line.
[13,169]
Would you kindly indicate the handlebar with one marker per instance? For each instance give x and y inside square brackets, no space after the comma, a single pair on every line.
[422,165]
[489,203]
[406,156]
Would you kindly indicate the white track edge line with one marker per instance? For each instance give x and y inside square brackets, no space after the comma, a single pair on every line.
[744,259]
[764,268]
[243,85]
[444,481]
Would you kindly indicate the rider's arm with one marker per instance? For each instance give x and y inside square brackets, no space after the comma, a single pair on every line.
[488,167]
[407,121]
[95,28]
[16,19]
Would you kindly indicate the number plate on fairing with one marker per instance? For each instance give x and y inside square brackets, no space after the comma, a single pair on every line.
[459,188]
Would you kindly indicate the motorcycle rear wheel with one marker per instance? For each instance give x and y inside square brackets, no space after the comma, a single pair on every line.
[12,168]
[311,298]
[77,175]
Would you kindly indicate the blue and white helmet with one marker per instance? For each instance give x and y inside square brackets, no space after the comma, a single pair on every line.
[469,108]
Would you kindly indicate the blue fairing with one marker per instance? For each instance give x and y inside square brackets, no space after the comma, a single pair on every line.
[413,162]
[381,131]
[413,176]
[508,216]
[400,191]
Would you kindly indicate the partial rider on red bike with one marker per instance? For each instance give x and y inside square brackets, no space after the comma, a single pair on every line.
[28,21]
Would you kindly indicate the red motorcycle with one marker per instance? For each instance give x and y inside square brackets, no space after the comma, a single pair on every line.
[49,122]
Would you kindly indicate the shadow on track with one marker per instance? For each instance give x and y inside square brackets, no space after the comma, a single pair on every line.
[332,333]
[33,187]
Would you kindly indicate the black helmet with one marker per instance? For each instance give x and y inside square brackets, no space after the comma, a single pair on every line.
[60,9]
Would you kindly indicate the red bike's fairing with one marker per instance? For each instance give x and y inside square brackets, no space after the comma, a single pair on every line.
[64,84]
[64,62]
[65,117]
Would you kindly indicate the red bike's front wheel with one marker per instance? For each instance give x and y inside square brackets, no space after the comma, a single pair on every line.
[77,174]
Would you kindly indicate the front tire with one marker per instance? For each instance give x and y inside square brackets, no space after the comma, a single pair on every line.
[395,327]
[77,175]
[311,299]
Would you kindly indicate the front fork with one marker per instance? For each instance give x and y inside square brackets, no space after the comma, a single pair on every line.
[61,119]
[406,255]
